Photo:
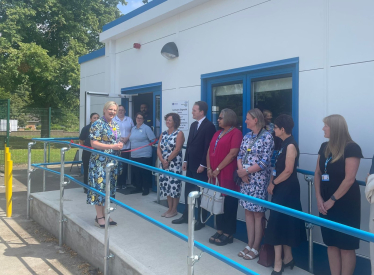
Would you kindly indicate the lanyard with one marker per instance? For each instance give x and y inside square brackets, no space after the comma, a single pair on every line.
[326,162]
[220,136]
[251,144]
[114,130]
[279,152]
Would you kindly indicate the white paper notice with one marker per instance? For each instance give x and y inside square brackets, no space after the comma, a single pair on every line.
[181,108]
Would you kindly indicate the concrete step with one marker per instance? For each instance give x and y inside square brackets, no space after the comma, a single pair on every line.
[139,246]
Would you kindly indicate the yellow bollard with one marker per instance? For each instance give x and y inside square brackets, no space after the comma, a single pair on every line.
[9,187]
[6,152]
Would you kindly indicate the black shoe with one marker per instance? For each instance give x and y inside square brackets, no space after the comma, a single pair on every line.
[214,237]
[135,191]
[277,272]
[180,220]
[223,240]
[290,264]
[199,225]
[97,222]
[145,192]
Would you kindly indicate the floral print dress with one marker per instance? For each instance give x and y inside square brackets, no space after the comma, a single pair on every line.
[170,186]
[260,152]
[106,133]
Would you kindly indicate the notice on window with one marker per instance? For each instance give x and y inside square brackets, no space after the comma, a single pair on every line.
[181,108]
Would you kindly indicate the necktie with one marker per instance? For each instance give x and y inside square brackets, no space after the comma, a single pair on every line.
[197,127]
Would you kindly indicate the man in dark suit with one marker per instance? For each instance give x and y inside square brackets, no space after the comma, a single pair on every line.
[201,133]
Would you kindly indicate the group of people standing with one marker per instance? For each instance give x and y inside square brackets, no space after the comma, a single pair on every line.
[217,155]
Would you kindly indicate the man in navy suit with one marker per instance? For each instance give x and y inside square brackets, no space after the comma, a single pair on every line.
[201,133]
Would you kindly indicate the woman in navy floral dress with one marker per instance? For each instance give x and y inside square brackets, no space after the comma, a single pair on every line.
[254,168]
[169,152]
[105,136]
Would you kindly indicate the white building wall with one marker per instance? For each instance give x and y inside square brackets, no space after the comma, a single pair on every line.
[333,39]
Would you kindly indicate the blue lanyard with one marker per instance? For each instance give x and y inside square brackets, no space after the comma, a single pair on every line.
[326,162]
[279,152]
[219,137]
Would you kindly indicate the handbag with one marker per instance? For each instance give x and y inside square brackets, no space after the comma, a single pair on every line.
[267,254]
[212,201]
[237,179]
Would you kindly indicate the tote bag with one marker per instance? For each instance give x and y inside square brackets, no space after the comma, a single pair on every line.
[212,201]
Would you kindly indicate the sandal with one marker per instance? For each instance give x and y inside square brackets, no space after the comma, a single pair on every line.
[250,257]
[214,237]
[243,253]
[223,240]
[97,222]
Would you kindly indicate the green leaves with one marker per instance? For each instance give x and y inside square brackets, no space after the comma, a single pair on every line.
[40,43]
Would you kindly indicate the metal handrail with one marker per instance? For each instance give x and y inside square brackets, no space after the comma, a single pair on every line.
[366,236]
[199,245]
[310,173]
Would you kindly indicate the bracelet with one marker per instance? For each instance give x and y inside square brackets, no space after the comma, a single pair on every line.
[273,182]
[209,169]
[333,198]
[217,169]
[246,169]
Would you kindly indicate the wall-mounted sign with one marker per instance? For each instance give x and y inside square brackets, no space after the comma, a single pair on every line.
[181,108]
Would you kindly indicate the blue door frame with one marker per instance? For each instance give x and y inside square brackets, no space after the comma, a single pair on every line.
[246,75]
[155,89]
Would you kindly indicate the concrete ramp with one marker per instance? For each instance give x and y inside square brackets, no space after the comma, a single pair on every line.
[139,246]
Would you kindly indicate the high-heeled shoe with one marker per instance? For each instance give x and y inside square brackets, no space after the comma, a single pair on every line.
[97,222]
[290,264]
[278,272]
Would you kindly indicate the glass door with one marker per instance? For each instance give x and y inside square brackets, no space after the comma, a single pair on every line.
[227,96]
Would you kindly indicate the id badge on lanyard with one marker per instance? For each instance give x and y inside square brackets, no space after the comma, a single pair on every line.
[325,176]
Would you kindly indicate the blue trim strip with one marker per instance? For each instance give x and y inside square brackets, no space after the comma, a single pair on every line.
[147,88]
[132,14]
[361,234]
[199,245]
[95,54]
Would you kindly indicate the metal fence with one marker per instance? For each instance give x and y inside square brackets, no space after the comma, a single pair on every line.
[19,125]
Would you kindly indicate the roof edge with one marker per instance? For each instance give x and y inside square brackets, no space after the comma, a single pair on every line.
[95,54]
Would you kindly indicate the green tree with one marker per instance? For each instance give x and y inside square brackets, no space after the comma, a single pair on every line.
[40,43]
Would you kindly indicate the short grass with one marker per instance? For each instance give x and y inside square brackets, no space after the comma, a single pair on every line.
[19,156]
[18,150]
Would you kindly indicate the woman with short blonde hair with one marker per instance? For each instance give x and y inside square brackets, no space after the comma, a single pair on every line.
[105,136]
[338,193]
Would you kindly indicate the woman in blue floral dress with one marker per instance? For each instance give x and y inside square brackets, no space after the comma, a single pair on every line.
[105,136]
[254,168]
[169,152]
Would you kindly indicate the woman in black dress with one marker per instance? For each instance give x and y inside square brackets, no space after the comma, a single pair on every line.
[338,193]
[284,231]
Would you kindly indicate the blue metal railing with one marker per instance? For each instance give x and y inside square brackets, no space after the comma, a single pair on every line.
[366,236]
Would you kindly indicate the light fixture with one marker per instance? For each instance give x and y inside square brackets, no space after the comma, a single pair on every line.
[170,50]
[137,45]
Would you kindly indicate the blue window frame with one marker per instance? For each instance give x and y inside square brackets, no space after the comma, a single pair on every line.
[250,74]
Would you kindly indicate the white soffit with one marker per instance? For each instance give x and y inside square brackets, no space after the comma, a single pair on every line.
[152,16]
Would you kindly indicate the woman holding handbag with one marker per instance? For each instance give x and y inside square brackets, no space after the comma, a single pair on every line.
[254,168]
[221,163]
[284,231]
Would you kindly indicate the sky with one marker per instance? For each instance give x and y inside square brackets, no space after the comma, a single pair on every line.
[131,5]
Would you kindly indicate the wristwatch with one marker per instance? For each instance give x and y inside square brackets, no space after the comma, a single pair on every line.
[273,182]
[217,169]
[333,198]
[246,169]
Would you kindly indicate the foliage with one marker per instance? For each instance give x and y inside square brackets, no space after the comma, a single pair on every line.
[40,43]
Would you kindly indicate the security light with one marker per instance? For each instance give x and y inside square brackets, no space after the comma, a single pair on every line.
[170,50]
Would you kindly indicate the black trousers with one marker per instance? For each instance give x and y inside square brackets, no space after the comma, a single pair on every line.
[141,178]
[123,177]
[189,187]
[86,160]
[227,221]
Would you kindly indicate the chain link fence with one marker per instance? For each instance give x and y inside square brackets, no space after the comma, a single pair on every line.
[28,123]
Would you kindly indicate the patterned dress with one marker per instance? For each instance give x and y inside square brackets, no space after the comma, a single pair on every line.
[260,152]
[106,133]
[170,186]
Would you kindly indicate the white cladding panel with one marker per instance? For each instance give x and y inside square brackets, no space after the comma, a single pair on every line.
[351,31]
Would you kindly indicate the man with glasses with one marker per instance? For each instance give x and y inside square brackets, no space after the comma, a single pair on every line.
[200,135]
[125,124]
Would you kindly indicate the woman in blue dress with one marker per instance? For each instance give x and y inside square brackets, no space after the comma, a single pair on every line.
[169,152]
[105,136]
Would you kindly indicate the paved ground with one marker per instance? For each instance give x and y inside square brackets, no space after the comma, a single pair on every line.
[26,247]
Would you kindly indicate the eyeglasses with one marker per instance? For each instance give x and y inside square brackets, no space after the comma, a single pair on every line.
[220,118]
[139,118]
